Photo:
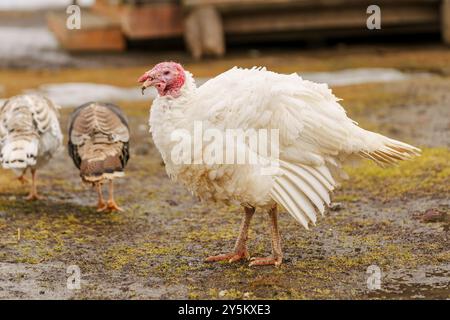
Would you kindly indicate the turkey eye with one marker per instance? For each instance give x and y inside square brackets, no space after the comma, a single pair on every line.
[166,73]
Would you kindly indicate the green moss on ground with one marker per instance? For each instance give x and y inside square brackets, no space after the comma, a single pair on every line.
[425,175]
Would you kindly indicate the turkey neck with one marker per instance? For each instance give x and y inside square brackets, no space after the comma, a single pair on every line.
[168,114]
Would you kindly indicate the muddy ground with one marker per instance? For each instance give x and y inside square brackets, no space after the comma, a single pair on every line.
[394,219]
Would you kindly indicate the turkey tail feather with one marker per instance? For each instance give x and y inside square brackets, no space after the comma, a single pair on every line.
[19,153]
[100,163]
[390,151]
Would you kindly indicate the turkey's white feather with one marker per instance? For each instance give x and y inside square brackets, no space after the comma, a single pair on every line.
[315,137]
[29,132]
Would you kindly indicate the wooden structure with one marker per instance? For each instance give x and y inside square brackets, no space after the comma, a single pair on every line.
[307,19]
[107,25]
[142,19]
[97,33]
[206,24]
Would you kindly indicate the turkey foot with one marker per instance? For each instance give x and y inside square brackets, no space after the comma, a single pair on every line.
[22,179]
[265,261]
[33,192]
[230,257]
[101,205]
[277,253]
[34,196]
[240,248]
[112,206]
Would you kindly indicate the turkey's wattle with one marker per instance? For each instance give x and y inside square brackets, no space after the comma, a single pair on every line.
[315,139]
[167,80]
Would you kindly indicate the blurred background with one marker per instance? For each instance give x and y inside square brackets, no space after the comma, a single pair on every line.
[394,80]
[212,28]
[213,35]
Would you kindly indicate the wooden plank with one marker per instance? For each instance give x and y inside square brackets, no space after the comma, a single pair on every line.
[254,5]
[104,7]
[285,17]
[204,33]
[143,2]
[160,20]
[193,35]
[97,33]
[149,20]
[445,21]
[326,19]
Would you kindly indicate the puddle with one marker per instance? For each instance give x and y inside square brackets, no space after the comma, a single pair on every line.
[34,281]
[428,282]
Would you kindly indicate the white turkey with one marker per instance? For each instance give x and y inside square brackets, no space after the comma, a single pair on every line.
[29,135]
[315,138]
[99,147]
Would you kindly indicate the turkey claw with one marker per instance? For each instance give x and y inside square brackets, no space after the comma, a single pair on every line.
[101,207]
[230,257]
[34,197]
[265,261]
[112,206]
[22,180]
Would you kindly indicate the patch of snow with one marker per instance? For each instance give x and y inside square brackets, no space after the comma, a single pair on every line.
[357,76]
[2,91]
[351,76]
[75,94]
[200,81]
[36,43]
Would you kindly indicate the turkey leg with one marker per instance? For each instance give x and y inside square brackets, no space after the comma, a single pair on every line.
[277,253]
[33,192]
[240,248]
[22,177]
[112,205]
[101,203]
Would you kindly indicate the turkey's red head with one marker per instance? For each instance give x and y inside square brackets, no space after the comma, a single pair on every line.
[166,77]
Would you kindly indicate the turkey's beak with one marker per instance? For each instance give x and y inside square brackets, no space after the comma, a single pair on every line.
[147,81]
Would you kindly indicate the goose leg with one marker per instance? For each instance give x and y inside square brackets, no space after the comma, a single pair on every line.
[240,248]
[101,205]
[33,192]
[277,253]
[112,205]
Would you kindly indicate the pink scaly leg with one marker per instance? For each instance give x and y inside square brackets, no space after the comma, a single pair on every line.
[33,192]
[277,253]
[240,248]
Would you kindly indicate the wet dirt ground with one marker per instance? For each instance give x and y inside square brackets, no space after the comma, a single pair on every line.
[394,220]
